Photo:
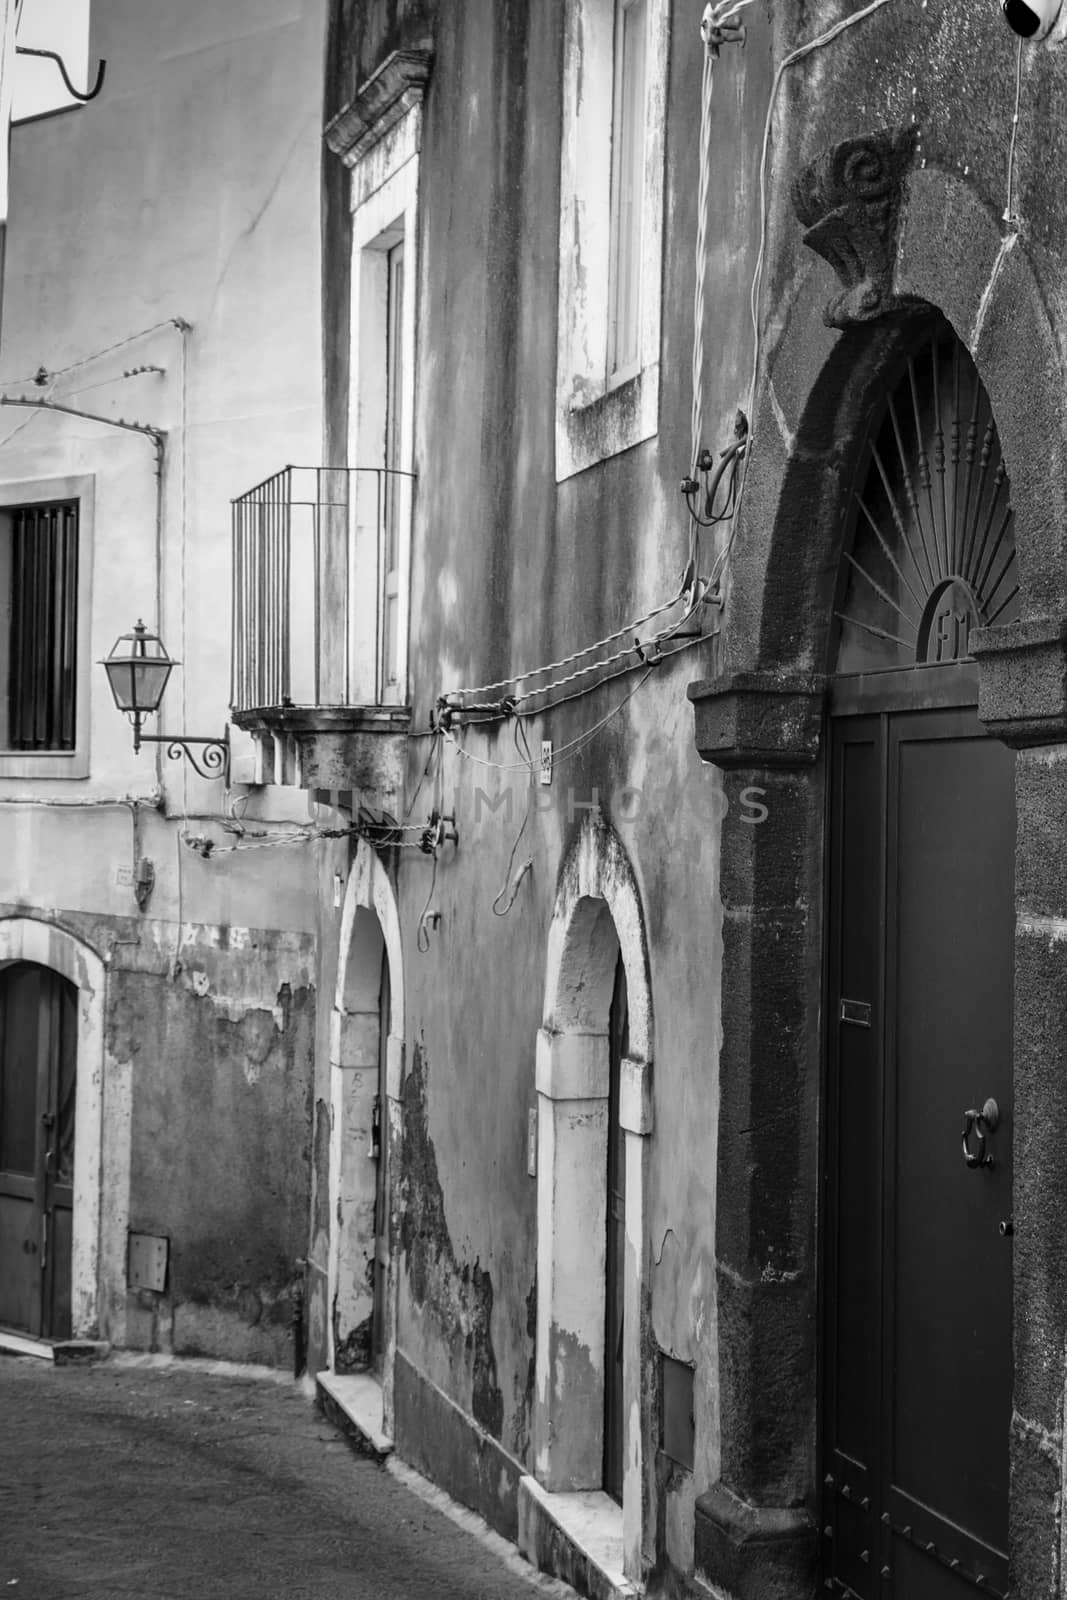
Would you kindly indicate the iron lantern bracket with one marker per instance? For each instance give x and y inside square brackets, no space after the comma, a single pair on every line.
[213,762]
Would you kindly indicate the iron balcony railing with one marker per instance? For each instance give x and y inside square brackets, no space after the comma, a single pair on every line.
[318,588]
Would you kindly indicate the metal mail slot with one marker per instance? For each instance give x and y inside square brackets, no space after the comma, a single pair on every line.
[856,1011]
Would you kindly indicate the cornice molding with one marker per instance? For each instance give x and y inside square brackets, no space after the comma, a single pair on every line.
[379,104]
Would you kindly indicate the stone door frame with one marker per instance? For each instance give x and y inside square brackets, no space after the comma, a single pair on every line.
[761,722]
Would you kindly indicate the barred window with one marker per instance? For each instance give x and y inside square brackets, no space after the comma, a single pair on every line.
[39,655]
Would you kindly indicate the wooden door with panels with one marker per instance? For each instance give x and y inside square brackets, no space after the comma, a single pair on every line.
[917,1147]
[38,1081]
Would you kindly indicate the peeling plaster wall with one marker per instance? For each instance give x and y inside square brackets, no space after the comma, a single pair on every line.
[220,1048]
[189,189]
[332,872]
[208,1057]
[510,571]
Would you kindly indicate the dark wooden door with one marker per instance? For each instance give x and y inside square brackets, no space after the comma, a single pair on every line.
[917,1253]
[38,1054]
[381,1181]
[618,1046]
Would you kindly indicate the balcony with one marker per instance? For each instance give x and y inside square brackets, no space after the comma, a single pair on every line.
[320,627]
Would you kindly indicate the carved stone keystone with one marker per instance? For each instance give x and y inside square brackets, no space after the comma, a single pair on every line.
[849,200]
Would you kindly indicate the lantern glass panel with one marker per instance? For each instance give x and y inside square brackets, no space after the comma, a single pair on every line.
[138,684]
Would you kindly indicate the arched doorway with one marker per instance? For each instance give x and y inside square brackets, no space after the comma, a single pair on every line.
[594,1115]
[360,1095]
[366,1068]
[916,1258]
[38,1094]
[761,720]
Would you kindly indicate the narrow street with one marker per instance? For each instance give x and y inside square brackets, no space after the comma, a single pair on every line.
[169,1483]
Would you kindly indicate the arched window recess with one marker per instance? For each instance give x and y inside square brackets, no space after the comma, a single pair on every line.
[930,545]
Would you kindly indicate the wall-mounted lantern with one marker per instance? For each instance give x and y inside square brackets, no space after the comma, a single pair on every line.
[138,668]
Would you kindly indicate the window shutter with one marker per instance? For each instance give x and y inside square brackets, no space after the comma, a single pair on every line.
[42,680]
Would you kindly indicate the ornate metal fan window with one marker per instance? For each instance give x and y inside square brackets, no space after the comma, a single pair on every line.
[932,551]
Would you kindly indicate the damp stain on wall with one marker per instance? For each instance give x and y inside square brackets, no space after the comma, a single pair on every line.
[458,1295]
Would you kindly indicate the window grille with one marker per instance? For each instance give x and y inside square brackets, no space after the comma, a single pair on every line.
[42,561]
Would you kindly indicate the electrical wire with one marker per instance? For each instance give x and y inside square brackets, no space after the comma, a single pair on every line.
[697,416]
[755,292]
[565,661]
[568,751]
[1009,216]
[19,428]
[68,394]
[422,936]
[513,705]
[201,845]
[728,15]
[527,866]
[124,802]
[97,355]
[435,751]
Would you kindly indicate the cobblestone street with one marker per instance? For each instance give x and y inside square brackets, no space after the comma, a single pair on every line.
[165,1482]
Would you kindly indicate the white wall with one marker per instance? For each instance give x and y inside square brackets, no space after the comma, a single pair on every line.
[189,189]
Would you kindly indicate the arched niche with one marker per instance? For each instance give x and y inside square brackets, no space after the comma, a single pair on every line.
[596,923]
[366,1070]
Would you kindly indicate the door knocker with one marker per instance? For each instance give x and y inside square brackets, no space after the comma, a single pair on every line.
[980,1123]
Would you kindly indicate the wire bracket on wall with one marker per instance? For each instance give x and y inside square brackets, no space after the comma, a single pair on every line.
[702,492]
[82,96]
[719,25]
[438,831]
[157,435]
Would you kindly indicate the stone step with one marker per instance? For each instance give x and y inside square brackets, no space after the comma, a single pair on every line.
[63,1352]
[577,1537]
[353,1403]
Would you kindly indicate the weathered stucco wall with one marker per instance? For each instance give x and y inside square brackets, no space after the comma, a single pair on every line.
[511,570]
[189,190]
[220,1142]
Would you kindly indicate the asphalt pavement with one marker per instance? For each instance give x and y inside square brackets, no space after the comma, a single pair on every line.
[124,1481]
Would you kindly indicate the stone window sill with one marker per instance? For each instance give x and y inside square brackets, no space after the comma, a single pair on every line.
[605,426]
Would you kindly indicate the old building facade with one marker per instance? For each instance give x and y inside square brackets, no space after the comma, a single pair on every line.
[160,338]
[687,1175]
[679,1117]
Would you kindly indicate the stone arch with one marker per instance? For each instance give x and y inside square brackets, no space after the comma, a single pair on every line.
[48,945]
[815,402]
[761,722]
[597,918]
[370,929]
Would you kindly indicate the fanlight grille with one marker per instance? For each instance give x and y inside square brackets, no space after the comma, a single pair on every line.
[933,542]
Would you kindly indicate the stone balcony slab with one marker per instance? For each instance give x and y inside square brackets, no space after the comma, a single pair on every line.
[358,748]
